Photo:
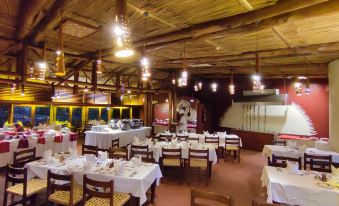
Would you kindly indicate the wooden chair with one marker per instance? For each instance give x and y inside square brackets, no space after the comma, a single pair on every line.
[118,153]
[146,156]
[20,158]
[172,158]
[193,139]
[93,197]
[198,159]
[115,143]
[212,197]
[89,149]
[139,148]
[182,137]
[280,161]
[164,137]
[68,194]
[279,142]
[320,163]
[232,145]
[26,189]
[215,141]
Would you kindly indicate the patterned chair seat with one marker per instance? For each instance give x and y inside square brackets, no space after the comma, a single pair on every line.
[63,197]
[202,163]
[33,186]
[119,153]
[232,147]
[119,199]
[171,162]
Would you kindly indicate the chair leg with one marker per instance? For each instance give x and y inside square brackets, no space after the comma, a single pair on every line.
[5,199]
[239,156]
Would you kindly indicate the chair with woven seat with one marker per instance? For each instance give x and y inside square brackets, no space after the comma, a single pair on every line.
[232,145]
[198,159]
[93,197]
[320,163]
[89,149]
[171,158]
[118,153]
[26,189]
[210,197]
[281,161]
[138,148]
[215,141]
[20,158]
[115,143]
[63,193]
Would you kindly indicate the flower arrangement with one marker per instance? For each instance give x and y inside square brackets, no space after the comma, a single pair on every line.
[63,123]
[19,126]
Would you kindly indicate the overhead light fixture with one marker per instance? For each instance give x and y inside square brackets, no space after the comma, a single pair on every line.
[307,87]
[184,74]
[200,85]
[13,88]
[85,89]
[214,87]
[99,61]
[122,35]
[22,90]
[38,70]
[145,63]
[231,86]
[173,80]
[166,100]
[196,87]
[60,60]
[258,86]
[297,86]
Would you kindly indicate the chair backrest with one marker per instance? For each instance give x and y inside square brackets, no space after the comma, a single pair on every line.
[145,156]
[212,140]
[89,149]
[232,141]
[16,176]
[279,142]
[320,163]
[171,153]
[20,158]
[198,154]
[90,184]
[56,182]
[115,143]
[182,137]
[193,139]
[280,161]
[163,137]
[118,153]
[139,148]
[198,194]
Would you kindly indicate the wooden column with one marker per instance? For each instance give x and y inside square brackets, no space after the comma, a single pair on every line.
[148,110]
[94,76]
[76,80]
[170,110]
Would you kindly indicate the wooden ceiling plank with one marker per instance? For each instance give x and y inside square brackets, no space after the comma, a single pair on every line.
[246,4]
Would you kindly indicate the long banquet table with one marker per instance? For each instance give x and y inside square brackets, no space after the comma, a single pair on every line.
[104,139]
[297,189]
[146,176]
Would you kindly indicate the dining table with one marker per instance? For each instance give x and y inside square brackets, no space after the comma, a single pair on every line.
[135,179]
[303,188]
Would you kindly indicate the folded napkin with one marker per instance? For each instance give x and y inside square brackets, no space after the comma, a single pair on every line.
[293,167]
[167,132]
[72,152]
[103,156]
[206,133]
[47,155]
[90,158]
[292,144]
[120,168]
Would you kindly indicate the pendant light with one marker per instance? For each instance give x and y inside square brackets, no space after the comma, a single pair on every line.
[184,74]
[99,61]
[59,60]
[231,86]
[38,70]
[297,87]
[257,84]
[145,64]
[307,85]
[122,34]
[200,85]
[22,90]
[214,87]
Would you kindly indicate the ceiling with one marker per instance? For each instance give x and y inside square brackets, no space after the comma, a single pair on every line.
[291,37]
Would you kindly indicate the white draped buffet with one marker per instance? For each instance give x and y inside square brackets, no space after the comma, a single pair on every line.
[104,139]
[137,184]
[7,157]
[293,189]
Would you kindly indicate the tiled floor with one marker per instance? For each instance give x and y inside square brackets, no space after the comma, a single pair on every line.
[242,181]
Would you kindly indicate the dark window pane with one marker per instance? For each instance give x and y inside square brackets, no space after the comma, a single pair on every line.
[4,111]
[104,114]
[62,114]
[41,115]
[136,113]
[93,113]
[76,117]
[23,114]
[115,113]
[125,114]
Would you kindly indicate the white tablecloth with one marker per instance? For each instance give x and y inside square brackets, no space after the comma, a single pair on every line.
[335,155]
[293,189]
[104,139]
[7,157]
[157,150]
[136,185]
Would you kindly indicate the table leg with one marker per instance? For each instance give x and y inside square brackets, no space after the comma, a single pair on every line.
[153,186]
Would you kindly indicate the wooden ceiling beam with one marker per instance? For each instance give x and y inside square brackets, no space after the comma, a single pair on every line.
[76,69]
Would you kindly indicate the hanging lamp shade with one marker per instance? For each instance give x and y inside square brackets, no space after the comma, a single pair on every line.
[60,60]
[145,62]
[99,61]
[38,70]
[307,87]
[122,35]
[231,86]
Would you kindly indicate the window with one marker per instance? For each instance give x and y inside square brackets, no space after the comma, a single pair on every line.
[4,111]
[23,114]
[76,117]
[136,113]
[115,113]
[104,114]
[41,115]
[125,114]
[93,113]
[62,114]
